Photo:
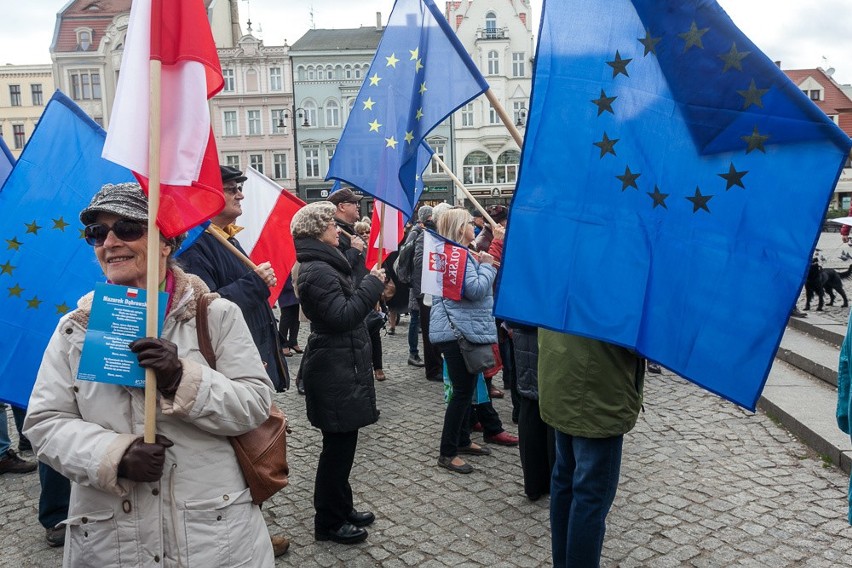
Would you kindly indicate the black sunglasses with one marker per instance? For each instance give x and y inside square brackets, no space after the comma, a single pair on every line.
[124,229]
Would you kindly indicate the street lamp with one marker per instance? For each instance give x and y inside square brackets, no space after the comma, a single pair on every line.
[300,113]
[522,117]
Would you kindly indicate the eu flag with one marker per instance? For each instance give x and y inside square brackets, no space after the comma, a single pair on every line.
[45,265]
[7,161]
[421,73]
[672,188]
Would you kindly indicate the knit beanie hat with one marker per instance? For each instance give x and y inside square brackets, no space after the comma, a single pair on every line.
[312,220]
[424,213]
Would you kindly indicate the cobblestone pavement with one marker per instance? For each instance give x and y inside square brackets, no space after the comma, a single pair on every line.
[704,484]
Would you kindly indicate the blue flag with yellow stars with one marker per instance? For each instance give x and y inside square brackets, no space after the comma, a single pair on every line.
[672,188]
[421,73]
[7,161]
[45,265]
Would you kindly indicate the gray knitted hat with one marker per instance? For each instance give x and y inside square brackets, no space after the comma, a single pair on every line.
[312,220]
[124,199]
[424,213]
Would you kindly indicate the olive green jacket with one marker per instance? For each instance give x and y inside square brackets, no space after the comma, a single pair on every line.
[588,388]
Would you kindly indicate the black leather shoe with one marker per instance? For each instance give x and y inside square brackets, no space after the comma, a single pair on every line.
[347,534]
[300,388]
[361,519]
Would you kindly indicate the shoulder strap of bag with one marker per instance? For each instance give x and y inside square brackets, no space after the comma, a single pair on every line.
[203,329]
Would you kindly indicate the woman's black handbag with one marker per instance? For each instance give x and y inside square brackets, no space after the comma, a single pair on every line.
[375,321]
[478,357]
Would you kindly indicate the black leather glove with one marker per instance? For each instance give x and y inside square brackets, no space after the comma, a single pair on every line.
[144,462]
[161,356]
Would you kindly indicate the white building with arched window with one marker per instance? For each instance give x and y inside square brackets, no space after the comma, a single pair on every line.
[499,39]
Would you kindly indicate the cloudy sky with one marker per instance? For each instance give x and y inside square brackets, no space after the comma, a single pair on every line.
[799,34]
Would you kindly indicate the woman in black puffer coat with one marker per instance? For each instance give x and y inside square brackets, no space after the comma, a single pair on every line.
[336,370]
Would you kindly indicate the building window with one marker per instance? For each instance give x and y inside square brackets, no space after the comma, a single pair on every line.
[332,113]
[18,134]
[232,160]
[312,74]
[329,152]
[279,121]
[84,40]
[256,161]
[518,67]
[439,147]
[493,63]
[253,120]
[478,168]
[329,72]
[507,166]
[490,25]
[38,97]
[279,163]
[493,117]
[467,115]
[275,79]
[311,113]
[229,119]
[85,85]
[519,112]
[15,95]
[815,95]
[347,72]
[357,71]
[311,162]
[228,76]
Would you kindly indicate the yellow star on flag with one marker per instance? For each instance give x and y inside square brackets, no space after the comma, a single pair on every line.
[374,126]
[15,291]
[422,87]
[392,60]
[34,303]
[374,80]
[368,104]
[62,309]
[418,66]
[59,224]
[409,136]
[14,243]
[414,54]
[391,142]
[419,114]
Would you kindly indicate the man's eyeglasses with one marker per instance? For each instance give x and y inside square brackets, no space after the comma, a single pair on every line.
[126,230]
[233,189]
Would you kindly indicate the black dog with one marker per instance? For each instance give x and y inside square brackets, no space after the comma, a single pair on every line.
[825,280]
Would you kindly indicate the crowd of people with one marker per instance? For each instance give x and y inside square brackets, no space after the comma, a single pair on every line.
[118,500]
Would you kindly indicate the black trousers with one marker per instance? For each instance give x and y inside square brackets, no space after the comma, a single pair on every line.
[332,492]
[288,327]
[538,449]
[376,345]
[431,354]
[456,432]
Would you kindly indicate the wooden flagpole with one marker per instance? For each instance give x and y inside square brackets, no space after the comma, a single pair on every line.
[467,193]
[153,275]
[504,116]
[234,250]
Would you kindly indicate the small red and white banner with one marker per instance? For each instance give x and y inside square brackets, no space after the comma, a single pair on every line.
[268,210]
[444,264]
[391,230]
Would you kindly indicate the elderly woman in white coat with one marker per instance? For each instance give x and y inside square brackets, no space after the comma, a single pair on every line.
[181,501]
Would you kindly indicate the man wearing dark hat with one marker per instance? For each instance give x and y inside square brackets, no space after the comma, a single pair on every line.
[227,275]
[348,212]
[500,214]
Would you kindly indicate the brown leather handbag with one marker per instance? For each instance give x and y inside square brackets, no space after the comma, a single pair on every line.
[262,452]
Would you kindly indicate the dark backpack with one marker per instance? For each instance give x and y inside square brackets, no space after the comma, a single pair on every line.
[403,266]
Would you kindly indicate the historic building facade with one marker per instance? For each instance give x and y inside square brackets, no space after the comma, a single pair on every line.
[252,116]
[24,90]
[499,39]
[329,67]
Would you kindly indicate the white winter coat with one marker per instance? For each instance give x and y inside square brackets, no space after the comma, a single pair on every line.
[200,512]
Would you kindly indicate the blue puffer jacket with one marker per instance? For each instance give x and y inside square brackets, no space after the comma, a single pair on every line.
[472,315]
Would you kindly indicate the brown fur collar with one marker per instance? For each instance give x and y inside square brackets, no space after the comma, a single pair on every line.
[187,289]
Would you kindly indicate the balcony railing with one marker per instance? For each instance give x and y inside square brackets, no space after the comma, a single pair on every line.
[492,33]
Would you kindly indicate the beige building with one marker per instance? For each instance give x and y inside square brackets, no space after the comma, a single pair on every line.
[24,90]
[252,116]
[88,43]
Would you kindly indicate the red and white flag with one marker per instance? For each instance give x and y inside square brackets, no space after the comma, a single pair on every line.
[444,265]
[391,230]
[266,237]
[179,36]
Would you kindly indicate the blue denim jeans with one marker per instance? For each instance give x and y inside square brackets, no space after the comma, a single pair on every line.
[54,498]
[414,332]
[583,486]
[5,441]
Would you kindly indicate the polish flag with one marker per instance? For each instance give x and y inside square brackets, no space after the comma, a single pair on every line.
[444,265]
[392,232]
[266,237]
[177,34]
